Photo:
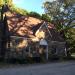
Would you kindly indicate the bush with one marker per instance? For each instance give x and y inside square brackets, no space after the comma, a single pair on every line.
[46,17]
[19,10]
[35,14]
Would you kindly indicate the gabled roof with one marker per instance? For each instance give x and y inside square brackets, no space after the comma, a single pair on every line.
[26,26]
[56,36]
[51,32]
[21,25]
[43,24]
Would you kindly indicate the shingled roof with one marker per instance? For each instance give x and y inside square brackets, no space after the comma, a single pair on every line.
[26,26]
[21,25]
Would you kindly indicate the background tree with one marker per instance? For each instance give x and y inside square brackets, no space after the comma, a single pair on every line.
[62,14]
[8,2]
[1,2]
[46,17]
[35,14]
[5,36]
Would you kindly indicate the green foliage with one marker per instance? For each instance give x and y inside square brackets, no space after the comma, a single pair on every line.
[12,7]
[8,2]
[19,10]
[59,12]
[62,14]
[71,39]
[67,2]
[1,2]
[35,14]
[46,17]
[51,8]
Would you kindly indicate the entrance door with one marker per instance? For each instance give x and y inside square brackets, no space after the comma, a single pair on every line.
[44,48]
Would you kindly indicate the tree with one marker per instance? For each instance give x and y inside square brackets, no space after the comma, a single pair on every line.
[62,14]
[45,17]
[60,11]
[18,10]
[1,2]
[9,2]
[5,36]
[51,8]
[35,14]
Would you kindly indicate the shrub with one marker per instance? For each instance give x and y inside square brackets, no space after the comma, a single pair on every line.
[19,10]
[35,14]
[45,17]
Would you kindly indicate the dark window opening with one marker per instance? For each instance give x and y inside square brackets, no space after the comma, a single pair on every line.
[43,46]
[53,51]
[27,49]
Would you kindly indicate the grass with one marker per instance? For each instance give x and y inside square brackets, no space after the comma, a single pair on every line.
[18,62]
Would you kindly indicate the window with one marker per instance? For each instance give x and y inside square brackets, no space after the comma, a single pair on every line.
[53,51]
[27,49]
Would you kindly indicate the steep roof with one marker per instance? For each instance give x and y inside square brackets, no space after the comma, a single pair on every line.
[26,26]
[21,25]
[56,36]
[51,32]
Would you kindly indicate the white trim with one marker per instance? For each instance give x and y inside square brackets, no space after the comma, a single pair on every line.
[65,52]
[48,30]
[44,23]
[43,42]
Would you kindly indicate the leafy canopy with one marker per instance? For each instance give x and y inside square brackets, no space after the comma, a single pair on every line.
[62,13]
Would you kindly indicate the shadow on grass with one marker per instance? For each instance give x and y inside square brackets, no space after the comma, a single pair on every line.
[16,62]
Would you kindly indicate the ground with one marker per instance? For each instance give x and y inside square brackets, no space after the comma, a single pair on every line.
[59,68]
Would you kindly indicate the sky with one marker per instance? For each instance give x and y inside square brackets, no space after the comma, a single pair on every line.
[30,5]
